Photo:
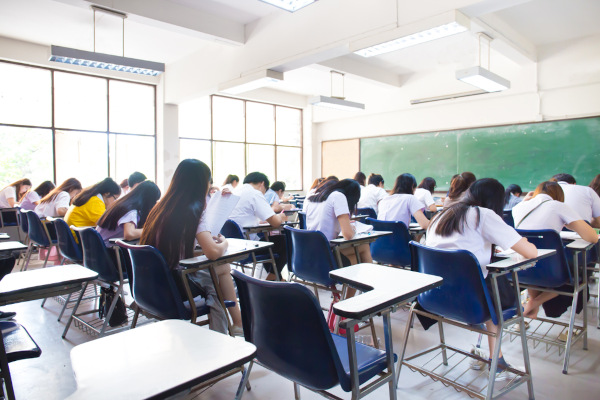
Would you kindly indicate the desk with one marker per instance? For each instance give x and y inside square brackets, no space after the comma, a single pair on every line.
[4,236]
[415,229]
[357,240]
[6,247]
[155,361]
[358,217]
[265,228]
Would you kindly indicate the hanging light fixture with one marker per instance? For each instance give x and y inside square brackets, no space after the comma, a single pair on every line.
[105,61]
[289,5]
[338,102]
[481,77]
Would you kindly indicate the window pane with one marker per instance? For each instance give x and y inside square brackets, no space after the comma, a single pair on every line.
[228,159]
[289,126]
[260,123]
[81,155]
[228,119]
[80,102]
[25,95]
[131,108]
[289,167]
[194,119]
[131,153]
[261,158]
[198,149]
[25,153]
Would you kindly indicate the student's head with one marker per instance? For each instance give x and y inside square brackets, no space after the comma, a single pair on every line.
[135,179]
[317,182]
[142,198]
[550,188]
[278,187]
[258,180]
[513,189]
[405,184]
[232,180]
[71,186]
[460,183]
[376,179]
[107,188]
[348,187]
[564,178]
[595,184]
[124,184]
[361,178]
[44,188]
[172,223]
[21,187]
[428,184]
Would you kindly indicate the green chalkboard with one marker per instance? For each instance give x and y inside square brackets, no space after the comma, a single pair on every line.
[525,154]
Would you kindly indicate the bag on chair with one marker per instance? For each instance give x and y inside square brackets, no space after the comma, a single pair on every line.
[119,315]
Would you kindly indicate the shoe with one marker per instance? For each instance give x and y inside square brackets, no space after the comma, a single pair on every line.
[476,364]
[505,374]
[518,327]
[563,336]
[5,316]
[237,330]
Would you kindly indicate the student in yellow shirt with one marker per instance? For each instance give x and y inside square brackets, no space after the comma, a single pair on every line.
[89,205]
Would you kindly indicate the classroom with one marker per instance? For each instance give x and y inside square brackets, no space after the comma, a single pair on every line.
[330,89]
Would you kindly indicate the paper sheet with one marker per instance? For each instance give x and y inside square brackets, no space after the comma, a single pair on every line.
[361,228]
[218,211]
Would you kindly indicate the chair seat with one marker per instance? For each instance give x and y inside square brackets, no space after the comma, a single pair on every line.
[18,343]
[370,361]
[201,307]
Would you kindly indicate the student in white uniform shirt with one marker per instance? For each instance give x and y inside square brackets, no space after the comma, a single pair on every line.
[545,209]
[275,198]
[583,199]
[474,223]
[231,182]
[373,193]
[402,203]
[512,196]
[33,196]
[57,202]
[252,208]
[13,193]
[424,193]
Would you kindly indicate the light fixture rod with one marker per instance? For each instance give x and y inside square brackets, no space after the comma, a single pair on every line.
[109,11]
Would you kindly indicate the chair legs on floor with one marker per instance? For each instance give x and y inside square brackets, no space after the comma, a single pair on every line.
[296,391]
[244,382]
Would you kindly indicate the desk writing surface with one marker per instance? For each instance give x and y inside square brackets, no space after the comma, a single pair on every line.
[12,246]
[514,261]
[361,237]
[236,247]
[580,244]
[159,359]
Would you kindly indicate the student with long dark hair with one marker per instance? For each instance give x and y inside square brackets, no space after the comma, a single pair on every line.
[361,178]
[373,193]
[402,203]
[474,223]
[126,218]
[177,223]
[230,182]
[57,201]
[424,193]
[33,196]
[13,193]
[512,196]
[89,205]
[459,184]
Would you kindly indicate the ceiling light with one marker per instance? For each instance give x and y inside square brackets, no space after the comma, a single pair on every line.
[289,5]
[338,102]
[105,61]
[251,82]
[483,79]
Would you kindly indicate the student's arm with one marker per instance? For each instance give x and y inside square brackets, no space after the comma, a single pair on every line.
[130,232]
[421,219]
[60,212]
[276,206]
[524,248]
[11,201]
[586,232]
[276,220]
[212,247]
[433,208]
[347,228]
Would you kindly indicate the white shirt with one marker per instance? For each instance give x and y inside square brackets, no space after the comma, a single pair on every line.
[547,214]
[8,192]
[424,196]
[271,196]
[251,208]
[370,196]
[27,202]
[478,239]
[323,216]
[512,202]
[582,199]
[131,216]
[50,209]
[398,207]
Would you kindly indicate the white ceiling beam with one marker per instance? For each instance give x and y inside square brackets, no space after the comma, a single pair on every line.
[506,41]
[364,70]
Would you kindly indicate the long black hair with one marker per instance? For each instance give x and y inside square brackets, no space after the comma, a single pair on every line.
[107,185]
[172,223]
[142,199]
[18,184]
[486,192]
[67,186]
[361,178]
[513,188]
[460,183]
[405,184]
[44,188]
[428,184]
[348,187]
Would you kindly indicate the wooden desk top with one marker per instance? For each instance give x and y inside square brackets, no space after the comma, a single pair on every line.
[236,249]
[515,261]
[11,246]
[383,286]
[365,237]
[154,361]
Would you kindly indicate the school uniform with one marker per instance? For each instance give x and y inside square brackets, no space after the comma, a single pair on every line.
[512,202]
[87,214]
[424,196]
[323,216]
[228,186]
[50,208]
[271,196]
[371,196]
[9,192]
[399,207]
[28,201]
[131,216]
[583,199]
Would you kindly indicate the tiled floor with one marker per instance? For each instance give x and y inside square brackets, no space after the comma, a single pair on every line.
[51,377]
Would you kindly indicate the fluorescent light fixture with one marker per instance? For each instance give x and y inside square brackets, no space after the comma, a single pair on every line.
[483,79]
[337,103]
[105,61]
[289,5]
[251,82]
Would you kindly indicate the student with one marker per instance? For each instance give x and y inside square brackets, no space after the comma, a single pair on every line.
[373,193]
[582,199]
[402,203]
[177,223]
[33,196]
[126,218]
[545,209]
[314,186]
[275,197]
[124,187]
[474,223]
[13,193]
[424,193]
[459,185]
[135,179]
[361,179]
[89,205]
[231,182]
[595,184]
[253,208]
[512,196]
[57,202]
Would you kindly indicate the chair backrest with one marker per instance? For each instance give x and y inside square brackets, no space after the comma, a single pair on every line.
[67,246]
[463,296]
[302,219]
[37,233]
[508,218]
[96,256]
[154,288]
[232,230]
[311,257]
[23,221]
[392,249]
[300,349]
[551,271]
[367,211]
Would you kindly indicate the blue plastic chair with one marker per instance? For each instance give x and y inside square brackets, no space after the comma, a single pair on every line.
[508,218]
[368,211]
[39,236]
[302,219]
[392,249]
[300,349]
[24,225]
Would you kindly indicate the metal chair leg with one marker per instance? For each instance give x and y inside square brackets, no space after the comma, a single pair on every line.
[244,381]
[74,310]
[443,342]
[409,324]
[64,307]
[296,391]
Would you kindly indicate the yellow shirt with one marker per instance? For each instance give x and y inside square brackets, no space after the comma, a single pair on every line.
[87,214]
